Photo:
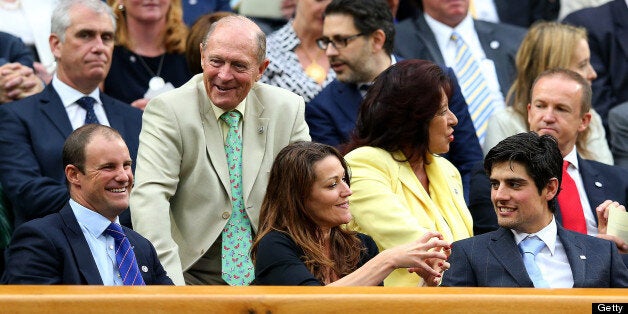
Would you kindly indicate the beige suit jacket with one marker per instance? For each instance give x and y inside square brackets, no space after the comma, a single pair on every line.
[181,198]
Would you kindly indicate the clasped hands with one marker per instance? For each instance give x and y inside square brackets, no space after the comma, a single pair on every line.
[18,81]
[427,257]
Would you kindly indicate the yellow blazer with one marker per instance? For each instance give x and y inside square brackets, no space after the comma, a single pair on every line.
[390,204]
[181,199]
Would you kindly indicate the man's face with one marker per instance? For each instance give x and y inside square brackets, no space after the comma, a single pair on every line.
[230,64]
[516,199]
[448,12]
[84,58]
[350,63]
[555,110]
[105,185]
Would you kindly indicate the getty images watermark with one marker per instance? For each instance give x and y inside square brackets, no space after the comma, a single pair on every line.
[609,308]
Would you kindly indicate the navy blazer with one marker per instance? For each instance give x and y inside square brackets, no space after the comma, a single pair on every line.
[12,49]
[53,250]
[332,114]
[607,27]
[32,133]
[525,12]
[500,42]
[494,260]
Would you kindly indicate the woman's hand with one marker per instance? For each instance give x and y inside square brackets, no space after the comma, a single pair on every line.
[427,256]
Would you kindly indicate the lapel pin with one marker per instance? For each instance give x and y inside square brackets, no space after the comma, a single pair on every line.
[132,59]
[598,184]
[260,130]
[583,257]
[145,268]
[494,44]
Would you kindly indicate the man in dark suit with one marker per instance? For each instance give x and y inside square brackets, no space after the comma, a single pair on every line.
[357,60]
[74,246]
[526,173]
[32,130]
[607,27]
[560,105]
[439,34]
[17,78]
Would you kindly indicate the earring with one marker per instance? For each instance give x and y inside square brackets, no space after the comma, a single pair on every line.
[121,7]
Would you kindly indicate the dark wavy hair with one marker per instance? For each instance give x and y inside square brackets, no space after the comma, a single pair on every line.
[538,154]
[397,110]
[283,209]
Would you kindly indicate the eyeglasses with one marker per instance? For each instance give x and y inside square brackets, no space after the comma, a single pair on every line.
[336,41]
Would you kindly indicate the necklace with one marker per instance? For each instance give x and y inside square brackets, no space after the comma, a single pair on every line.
[314,70]
[156,82]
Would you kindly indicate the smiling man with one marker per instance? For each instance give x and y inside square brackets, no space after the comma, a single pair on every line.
[205,154]
[530,249]
[75,246]
[32,130]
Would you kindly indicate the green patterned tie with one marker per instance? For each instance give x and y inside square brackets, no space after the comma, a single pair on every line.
[237,236]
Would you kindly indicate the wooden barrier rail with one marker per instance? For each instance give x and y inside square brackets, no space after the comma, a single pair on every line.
[266,300]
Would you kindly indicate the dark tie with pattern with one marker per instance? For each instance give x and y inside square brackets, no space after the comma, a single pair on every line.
[88,104]
[125,257]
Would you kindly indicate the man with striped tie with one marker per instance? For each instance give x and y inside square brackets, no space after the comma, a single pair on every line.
[481,53]
[84,243]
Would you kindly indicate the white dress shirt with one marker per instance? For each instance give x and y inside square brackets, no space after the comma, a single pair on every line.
[76,113]
[552,259]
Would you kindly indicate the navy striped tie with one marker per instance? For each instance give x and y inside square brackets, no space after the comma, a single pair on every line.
[474,87]
[125,258]
[88,104]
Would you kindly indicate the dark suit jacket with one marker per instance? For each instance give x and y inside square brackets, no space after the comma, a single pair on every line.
[607,26]
[331,117]
[32,133]
[12,49]
[525,12]
[500,42]
[53,250]
[493,260]
[601,182]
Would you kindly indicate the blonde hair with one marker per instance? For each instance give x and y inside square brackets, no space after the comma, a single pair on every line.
[174,36]
[547,45]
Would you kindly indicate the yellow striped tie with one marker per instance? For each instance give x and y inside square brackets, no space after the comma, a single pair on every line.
[474,87]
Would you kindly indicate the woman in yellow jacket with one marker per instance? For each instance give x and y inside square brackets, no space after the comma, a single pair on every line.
[401,186]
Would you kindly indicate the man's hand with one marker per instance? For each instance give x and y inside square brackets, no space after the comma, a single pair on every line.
[602,212]
[18,81]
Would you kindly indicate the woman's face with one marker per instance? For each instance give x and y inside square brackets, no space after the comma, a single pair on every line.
[310,12]
[328,202]
[441,128]
[581,61]
[145,11]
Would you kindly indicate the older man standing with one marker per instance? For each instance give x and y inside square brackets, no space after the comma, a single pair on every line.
[205,153]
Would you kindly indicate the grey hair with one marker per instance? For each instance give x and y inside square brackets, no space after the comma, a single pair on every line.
[261,37]
[61,14]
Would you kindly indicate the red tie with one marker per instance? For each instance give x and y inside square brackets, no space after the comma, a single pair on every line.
[570,206]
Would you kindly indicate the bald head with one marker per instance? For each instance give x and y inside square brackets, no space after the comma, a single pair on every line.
[245,27]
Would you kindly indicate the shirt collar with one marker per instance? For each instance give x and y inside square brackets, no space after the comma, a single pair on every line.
[572,157]
[94,222]
[219,111]
[442,32]
[547,234]
[69,95]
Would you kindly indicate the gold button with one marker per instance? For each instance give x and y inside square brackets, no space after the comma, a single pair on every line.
[225,215]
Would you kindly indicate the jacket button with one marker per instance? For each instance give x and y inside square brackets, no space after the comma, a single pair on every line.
[225,215]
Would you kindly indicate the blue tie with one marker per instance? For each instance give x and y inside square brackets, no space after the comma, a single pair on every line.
[529,248]
[88,104]
[125,258]
[474,87]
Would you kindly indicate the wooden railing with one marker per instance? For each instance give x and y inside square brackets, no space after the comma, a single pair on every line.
[266,300]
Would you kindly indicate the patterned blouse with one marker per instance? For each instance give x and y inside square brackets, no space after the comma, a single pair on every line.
[285,70]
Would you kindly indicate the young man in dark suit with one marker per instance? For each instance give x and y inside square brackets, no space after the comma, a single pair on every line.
[525,173]
[83,244]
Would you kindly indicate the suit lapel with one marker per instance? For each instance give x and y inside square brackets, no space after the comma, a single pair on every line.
[426,36]
[116,120]
[213,139]
[82,254]
[52,107]
[504,249]
[594,184]
[255,132]
[410,181]
[574,250]
[348,99]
